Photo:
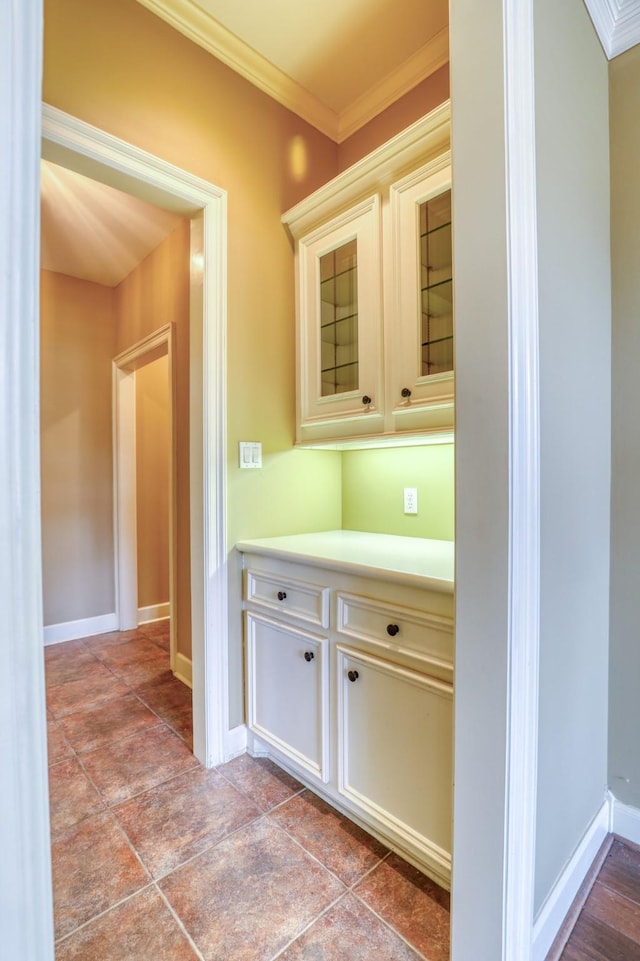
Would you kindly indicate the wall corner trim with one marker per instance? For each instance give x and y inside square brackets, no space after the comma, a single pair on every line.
[183,670]
[235,742]
[556,907]
[625,820]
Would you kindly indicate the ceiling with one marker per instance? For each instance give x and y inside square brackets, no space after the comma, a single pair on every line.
[336,63]
[94,232]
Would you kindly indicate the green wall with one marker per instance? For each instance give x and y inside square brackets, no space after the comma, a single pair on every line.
[372,490]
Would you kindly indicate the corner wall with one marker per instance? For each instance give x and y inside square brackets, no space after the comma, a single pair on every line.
[572,161]
[77,338]
[624,702]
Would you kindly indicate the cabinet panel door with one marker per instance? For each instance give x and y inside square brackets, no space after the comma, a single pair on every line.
[340,321]
[287,691]
[421,377]
[395,750]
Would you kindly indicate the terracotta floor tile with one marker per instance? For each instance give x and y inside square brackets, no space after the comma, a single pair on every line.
[140,929]
[77,695]
[101,642]
[349,932]
[93,868]
[182,723]
[72,796]
[162,640]
[53,651]
[130,653]
[338,843]
[115,720]
[69,666]
[182,817]
[261,780]
[164,694]
[412,903]
[124,768]
[142,671]
[156,628]
[57,745]
[247,897]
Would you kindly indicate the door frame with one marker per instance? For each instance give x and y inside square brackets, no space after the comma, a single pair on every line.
[125,499]
[87,150]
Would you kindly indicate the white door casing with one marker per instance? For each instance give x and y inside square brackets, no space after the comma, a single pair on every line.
[81,147]
[158,344]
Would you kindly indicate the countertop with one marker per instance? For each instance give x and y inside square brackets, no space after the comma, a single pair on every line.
[410,560]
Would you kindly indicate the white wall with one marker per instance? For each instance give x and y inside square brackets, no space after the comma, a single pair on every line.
[575,382]
[624,710]
[482,477]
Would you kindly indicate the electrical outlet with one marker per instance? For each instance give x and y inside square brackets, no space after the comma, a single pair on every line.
[411,500]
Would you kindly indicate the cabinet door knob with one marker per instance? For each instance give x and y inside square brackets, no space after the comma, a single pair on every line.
[309,656]
[366,399]
[405,392]
[353,676]
[392,630]
[282,595]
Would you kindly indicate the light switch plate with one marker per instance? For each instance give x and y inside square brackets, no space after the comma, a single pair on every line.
[250,455]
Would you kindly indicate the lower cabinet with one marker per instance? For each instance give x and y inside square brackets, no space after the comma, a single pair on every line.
[288,691]
[395,750]
[360,709]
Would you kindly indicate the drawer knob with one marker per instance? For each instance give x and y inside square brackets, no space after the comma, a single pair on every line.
[282,595]
[353,676]
[405,392]
[392,630]
[309,656]
[366,400]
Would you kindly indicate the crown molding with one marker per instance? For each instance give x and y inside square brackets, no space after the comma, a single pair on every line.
[617,23]
[193,22]
[422,64]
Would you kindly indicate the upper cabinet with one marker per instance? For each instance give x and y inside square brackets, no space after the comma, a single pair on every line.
[374,294]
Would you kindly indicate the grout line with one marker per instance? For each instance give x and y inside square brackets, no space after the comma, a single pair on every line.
[179,922]
[389,924]
[304,930]
[111,907]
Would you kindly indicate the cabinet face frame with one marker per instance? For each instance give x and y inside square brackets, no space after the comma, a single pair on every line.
[362,224]
[403,306]
[318,765]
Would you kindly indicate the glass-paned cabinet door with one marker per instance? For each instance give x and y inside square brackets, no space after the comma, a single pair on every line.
[340,318]
[422,298]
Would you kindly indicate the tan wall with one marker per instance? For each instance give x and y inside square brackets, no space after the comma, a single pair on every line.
[77,345]
[152,479]
[624,653]
[415,104]
[156,293]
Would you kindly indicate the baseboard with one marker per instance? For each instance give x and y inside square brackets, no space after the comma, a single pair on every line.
[153,612]
[235,742]
[625,820]
[86,627]
[182,669]
[558,903]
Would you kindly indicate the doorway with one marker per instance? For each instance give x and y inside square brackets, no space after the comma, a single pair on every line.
[128,367]
[77,146]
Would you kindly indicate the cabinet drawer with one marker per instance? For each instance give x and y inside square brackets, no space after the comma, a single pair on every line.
[298,599]
[427,639]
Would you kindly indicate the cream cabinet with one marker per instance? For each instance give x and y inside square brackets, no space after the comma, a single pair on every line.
[374,302]
[357,705]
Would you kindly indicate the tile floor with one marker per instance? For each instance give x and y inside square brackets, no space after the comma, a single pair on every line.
[157,859]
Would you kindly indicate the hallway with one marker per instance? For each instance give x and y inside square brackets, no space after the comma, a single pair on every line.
[157,859]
